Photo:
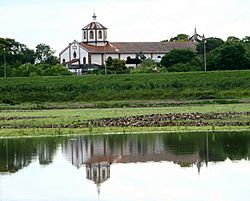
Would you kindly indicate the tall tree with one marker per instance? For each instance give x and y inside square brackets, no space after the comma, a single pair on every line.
[233,39]
[177,56]
[116,66]
[180,38]
[230,56]
[44,54]
[16,53]
[211,44]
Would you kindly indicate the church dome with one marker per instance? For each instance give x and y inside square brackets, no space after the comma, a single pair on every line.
[95,26]
[95,33]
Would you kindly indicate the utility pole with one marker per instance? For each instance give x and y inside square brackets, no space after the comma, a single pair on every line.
[205,55]
[4,61]
[105,64]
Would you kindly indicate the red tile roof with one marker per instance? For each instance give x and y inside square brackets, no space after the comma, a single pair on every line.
[136,47]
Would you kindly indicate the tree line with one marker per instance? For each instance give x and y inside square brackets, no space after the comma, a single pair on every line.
[17,60]
[211,54]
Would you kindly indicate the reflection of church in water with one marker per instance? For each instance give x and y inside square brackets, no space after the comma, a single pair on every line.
[98,153]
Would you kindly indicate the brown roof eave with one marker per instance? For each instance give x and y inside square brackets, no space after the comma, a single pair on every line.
[83,29]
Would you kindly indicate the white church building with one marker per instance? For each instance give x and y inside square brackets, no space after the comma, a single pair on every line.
[95,49]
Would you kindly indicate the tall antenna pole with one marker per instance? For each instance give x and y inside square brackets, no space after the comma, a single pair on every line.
[4,60]
[205,55]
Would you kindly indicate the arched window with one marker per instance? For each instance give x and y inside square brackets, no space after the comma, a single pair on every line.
[100,34]
[91,35]
[84,35]
[74,54]
[84,60]
[63,61]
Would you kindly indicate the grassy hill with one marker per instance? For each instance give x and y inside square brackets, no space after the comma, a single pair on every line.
[171,86]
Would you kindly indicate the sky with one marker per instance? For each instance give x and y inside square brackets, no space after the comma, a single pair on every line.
[59,22]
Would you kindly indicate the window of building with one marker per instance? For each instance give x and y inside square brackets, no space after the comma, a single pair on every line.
[100,34]
[95,173]
[84,60]
[91,35]
[103,174]
[63,61]
[88,173]
[159,57]
[84,35]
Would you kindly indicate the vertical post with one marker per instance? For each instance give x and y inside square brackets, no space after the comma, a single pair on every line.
[105,65]
[207,150]
[205,56]
[7,154]
[4,60]
[1,183]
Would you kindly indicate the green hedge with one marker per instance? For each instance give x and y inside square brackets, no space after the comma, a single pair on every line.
[192,85]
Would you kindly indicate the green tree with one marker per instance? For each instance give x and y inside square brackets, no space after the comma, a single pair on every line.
[233,39]
[116,66]
[140,56]
[211,44]
[246,39]
[180,38]
[16,53]
[230,56]
[44,54]
[177,56]
[147,66]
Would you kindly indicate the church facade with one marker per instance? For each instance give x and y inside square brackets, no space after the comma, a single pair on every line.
[95,49]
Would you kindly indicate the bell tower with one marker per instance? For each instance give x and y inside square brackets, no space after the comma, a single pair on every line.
[94,33]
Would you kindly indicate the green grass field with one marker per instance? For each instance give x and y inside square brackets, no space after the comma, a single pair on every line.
[38,106]
[92,88]
[33,119]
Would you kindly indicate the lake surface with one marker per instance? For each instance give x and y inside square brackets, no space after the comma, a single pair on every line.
[155,167]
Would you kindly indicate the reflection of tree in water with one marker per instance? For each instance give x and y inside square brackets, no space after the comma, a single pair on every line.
[234,146]
[16,154]
[182,143]
[221,146]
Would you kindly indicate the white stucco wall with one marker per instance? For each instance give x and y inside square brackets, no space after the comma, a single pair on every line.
[68,54]
[125,56]
[74,47]
[83,53]
[114,56]
[96,59]
[64,55]
[147,55]
[155,56]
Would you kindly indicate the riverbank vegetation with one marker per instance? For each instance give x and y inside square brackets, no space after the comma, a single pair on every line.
[17,60]
[167,86]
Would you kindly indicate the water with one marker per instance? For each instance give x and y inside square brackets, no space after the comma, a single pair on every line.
[197,166]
